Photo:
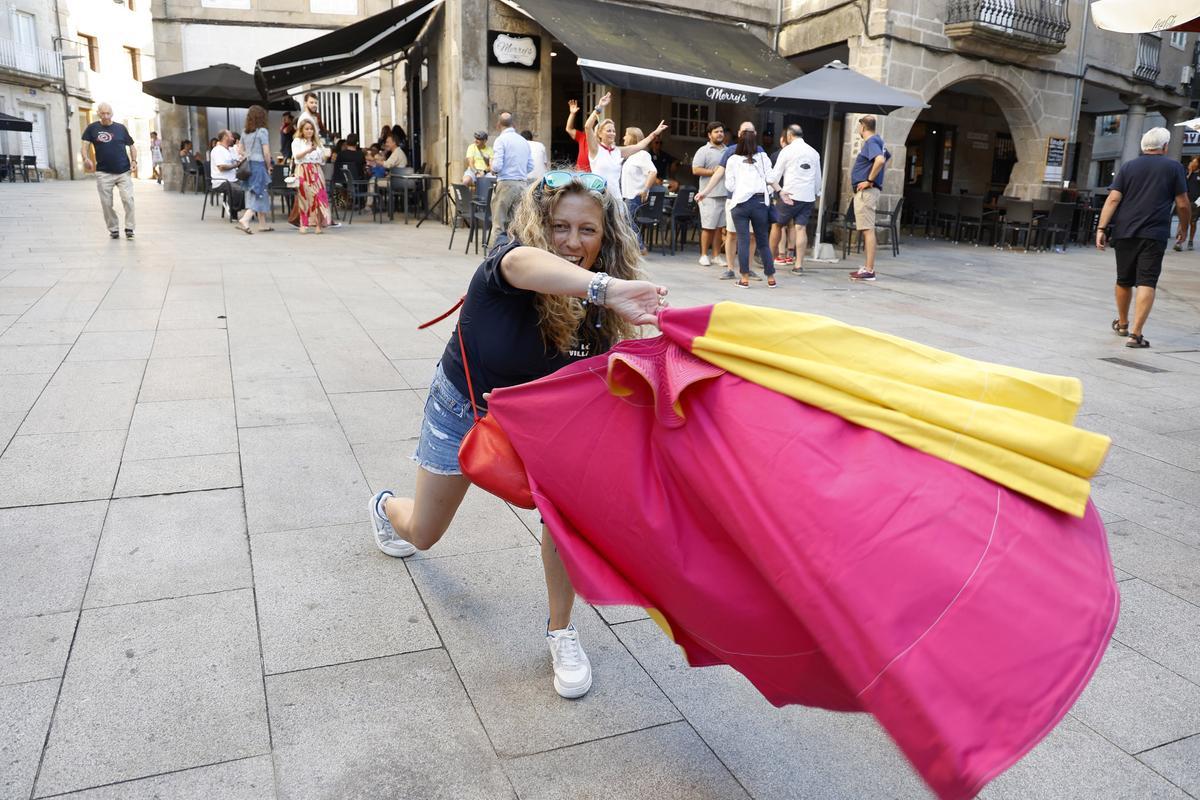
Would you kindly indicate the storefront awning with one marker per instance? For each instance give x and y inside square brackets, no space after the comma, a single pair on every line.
[660,52]
[345,50]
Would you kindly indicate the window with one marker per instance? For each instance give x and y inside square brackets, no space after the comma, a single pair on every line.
[1108,124]
[1105,172]
[1179,40]
[93,51]
[689,119]
[135,62]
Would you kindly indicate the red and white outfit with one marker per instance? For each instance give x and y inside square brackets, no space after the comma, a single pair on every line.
[607,164]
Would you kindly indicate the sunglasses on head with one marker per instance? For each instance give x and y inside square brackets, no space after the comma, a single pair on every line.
[558,178]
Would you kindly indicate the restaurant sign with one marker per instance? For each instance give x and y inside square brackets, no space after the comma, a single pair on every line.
[1056,159]
[509,50]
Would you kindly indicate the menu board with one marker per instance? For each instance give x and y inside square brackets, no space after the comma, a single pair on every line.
[1056,159]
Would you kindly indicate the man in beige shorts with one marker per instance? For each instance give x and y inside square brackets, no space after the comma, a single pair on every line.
[866,178]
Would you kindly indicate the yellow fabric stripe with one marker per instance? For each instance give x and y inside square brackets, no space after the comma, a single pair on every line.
[1010,425]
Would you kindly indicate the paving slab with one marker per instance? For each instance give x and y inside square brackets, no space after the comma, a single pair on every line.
[1148,508]
[21,391]
[174,428]
[112,346]
[473,597]
[380,416]
[46,556]
[61,332]
[339,732]
[35,648]
[244,779]
[25,711]
[1178,762]
[774,752]
[170,546]
[416,372]
[190,343]
[87,396]
[300,476]
[1159,560]
[179,474]
[131,319]
[20,359]
[187,378]
[263,402]
[669,762]
[157,687]
[60,467]
[1161,626]
[327,596]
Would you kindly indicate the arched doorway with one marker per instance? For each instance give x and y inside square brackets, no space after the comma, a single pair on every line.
[962,144]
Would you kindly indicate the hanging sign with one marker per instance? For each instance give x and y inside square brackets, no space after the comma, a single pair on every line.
[1056,159]
[511,50]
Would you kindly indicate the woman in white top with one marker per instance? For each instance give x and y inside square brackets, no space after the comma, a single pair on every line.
[308,153]
[637,176]
[748,180]
[603,152]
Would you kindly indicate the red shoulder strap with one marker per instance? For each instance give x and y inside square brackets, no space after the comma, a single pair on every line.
[462,349]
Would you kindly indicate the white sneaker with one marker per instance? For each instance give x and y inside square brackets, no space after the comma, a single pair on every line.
[705,261]
[719,261]
[572,670]
[385,535]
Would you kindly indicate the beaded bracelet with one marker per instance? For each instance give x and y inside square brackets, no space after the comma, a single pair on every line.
[597,291]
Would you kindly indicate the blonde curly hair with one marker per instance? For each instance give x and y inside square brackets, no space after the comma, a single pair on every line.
[562,319]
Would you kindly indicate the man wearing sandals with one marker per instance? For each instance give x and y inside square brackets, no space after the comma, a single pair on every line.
[1144,191]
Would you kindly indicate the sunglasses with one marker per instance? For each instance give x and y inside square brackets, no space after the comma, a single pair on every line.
[558,178]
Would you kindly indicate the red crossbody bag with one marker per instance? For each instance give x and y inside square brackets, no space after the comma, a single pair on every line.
[486,456]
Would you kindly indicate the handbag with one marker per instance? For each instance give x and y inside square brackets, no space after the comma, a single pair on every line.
[485,455]
[243,172]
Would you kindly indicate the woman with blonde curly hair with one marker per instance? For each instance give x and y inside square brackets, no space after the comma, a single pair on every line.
[524,317]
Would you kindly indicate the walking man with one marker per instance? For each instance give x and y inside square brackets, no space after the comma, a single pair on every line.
[512,160]
[866,178]
[798,169]
[105,153]
[1141,197]
[712,207]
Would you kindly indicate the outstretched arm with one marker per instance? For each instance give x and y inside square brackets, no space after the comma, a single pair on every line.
[572,109]
[629,150]
[589,125]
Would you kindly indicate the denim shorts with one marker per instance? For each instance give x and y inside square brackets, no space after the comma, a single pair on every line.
[447,419]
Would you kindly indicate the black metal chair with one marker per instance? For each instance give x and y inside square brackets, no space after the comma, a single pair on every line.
[28,165]
[945,215]
[650,216]
[884,221]
[481,212]
[358,192]
[5,169]
[222,194]
[1018,218]
[1058,222]
[685,216]
[970,217]
[461,196]
[920,211]
[279,188]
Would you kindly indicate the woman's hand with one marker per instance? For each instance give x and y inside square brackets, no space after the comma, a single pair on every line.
[662,126]
[637,302]
[573,106]
[604,101]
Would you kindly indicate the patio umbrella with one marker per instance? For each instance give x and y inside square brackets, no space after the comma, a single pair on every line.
[1135,16]
[836,89]
[11,123]
[221,85]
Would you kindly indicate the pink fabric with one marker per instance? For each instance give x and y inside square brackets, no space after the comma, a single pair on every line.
[829,564]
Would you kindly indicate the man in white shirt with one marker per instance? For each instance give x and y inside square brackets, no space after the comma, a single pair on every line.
[537,151]
[798,169]
[638,174]
[223,162]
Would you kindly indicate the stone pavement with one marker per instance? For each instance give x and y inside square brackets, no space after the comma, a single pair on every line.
[192,606]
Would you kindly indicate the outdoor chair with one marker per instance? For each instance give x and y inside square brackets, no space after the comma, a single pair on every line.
[945,215]
[650,217]
[401,183]
[481,212]
[358,191]
[684,216]
[28,165]
[5,169]
[1018,218]
[460,193]
[1057,222]
[187,167]
[1089,218]
[884,221]
[278,188]
[220,195]
[920,211]
[14,165]
[970,217]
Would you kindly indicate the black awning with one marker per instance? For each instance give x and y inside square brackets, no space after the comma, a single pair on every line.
[10,123]
[660,52]
[345,50]
[221,85]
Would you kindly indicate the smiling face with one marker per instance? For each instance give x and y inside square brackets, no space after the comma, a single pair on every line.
[608,133]
[577,229]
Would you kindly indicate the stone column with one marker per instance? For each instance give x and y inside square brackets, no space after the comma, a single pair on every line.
[1135,120]
[462,80]
[1085,136]
[173,119]
[1175,148]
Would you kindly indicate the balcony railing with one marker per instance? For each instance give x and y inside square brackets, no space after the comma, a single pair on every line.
[34,60]
[1041,23]
[1148,52]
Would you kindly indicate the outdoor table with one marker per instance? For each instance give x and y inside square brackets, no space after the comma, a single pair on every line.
[414,177]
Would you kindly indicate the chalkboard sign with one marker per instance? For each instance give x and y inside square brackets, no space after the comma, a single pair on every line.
[1056,159]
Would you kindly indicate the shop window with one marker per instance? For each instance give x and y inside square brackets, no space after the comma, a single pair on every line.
[689,119]
[1179,40]
[1109,124]
[592,92]
[1105,172]
[93,51]
[135,62]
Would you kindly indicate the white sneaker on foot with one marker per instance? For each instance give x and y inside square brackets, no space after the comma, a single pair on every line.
[719,261]
[385,535]
[572,670]
[705,261]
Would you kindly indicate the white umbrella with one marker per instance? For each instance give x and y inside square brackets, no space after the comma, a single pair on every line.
[1139,16]
[1193,124]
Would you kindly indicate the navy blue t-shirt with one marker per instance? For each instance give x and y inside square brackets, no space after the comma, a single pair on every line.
[1148,185]
[501,334]
[110,143]
[730,150]
[872,148]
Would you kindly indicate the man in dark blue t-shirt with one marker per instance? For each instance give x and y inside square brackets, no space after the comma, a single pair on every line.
[866,179]
[114,169]
[1141,197]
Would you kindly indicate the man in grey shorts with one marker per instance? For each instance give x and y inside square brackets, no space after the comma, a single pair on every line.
[712,208]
